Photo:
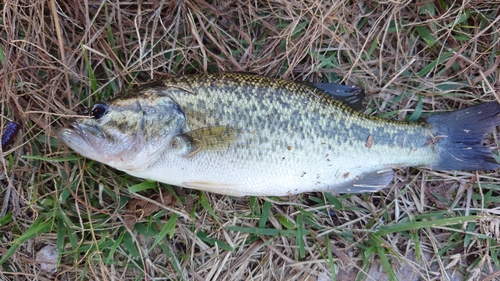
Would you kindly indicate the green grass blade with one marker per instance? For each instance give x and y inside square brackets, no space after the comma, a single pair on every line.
[417,113]
[38,227]
[90,70]
[5,220]
[426,35]
[143,186]
[204,202]
[63,159]
[265,214]
[331,262]
[254,206]
[61,238]
[382,254]
[2,56]
[300,237]
[204,237]
[265,231]
[405,226]
[434,63]
[166,229]
[284,221]
[130,246]
[115,246]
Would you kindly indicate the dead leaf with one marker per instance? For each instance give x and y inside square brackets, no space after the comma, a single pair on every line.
[439,195]
[188,202]
[138,208]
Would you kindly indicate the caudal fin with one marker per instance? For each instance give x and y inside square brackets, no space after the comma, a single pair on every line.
[460,134]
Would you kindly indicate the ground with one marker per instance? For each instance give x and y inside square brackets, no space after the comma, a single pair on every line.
[64,217]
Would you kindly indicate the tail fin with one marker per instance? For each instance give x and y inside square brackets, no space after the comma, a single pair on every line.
[460,135]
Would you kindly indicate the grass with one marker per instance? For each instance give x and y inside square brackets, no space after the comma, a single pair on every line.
[412,59]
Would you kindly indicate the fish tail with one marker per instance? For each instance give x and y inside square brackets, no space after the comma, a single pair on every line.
[459,137]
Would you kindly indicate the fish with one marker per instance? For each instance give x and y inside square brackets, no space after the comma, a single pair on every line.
[249,135]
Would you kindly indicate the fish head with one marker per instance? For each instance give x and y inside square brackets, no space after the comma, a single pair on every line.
[127,133]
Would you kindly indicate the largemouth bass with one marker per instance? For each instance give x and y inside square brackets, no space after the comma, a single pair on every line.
[240,134]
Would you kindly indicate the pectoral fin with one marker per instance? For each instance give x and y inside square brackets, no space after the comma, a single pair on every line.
[367,182]
[207,139]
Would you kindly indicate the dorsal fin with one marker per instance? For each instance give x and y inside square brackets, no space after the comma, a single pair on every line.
[350,95]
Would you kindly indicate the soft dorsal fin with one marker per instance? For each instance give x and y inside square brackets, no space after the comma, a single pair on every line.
[350,95]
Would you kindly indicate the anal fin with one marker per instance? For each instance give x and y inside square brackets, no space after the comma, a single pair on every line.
[367,182]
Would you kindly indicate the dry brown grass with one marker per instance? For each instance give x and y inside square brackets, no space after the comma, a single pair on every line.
[57,57]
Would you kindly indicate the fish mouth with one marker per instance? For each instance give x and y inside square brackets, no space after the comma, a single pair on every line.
[81,137]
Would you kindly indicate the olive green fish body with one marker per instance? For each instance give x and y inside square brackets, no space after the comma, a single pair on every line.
[241,134]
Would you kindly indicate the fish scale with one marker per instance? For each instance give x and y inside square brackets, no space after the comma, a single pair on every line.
[242,134]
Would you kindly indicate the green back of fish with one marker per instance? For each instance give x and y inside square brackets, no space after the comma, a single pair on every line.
[294,116]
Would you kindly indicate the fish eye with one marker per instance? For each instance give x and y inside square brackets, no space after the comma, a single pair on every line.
[99,110]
